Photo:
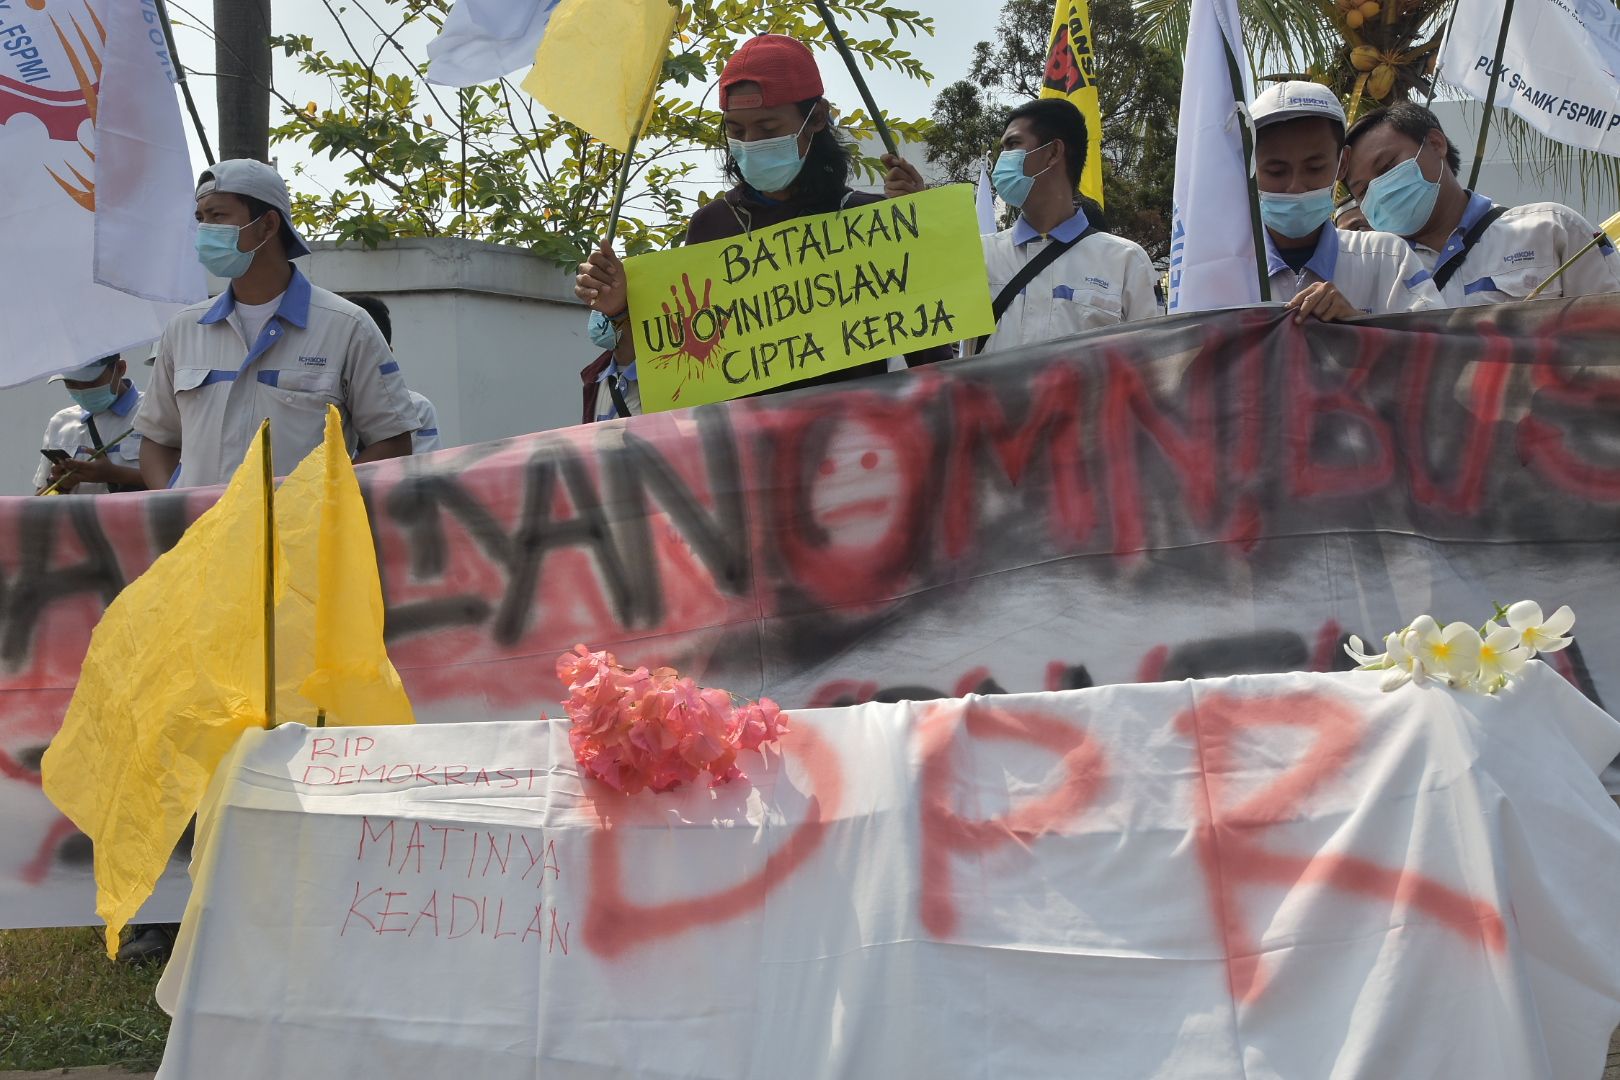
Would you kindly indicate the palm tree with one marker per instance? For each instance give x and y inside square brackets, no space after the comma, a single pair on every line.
[1372,52]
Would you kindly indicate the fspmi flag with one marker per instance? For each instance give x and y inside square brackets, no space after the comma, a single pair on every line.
[1558,70]
[1071,73]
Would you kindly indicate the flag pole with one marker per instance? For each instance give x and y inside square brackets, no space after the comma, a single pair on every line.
[269,574]
[185,87]
[1490,94]
[623,182]
[1260,261]
[1597,238]
[860,81]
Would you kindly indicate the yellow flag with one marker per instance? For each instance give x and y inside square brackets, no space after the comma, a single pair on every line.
[1071,73]
[329,622]
[1611,228]
[599,63]
[174,675]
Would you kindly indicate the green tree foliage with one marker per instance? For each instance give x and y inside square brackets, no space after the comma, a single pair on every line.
[487,163]
[1139,87]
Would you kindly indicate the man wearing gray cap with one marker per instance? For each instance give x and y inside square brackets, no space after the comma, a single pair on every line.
[104,404]
[271,346]
[1322,271]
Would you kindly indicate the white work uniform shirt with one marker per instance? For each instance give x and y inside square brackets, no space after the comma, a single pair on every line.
[70,430]
[1377,273]
[426,439]
[1101,281]
[1519,251]
[211,388]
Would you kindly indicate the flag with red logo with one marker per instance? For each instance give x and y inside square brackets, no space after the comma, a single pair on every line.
[1071,72]
[52,54]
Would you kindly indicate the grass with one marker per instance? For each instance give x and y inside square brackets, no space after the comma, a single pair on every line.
[63,1003]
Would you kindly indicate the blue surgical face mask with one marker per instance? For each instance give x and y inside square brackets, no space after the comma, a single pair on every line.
[604,335]
[95,399]
[1008,176]
[770,164]
[217,250]
[1402,200]
[1296,216]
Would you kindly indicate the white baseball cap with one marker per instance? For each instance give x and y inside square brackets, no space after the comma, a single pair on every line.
[90,372]
[1295,101]
[256,180]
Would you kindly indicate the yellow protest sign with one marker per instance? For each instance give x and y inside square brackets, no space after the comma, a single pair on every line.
[810,296]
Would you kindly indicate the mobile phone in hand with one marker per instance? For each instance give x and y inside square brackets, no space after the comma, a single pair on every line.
[57,457]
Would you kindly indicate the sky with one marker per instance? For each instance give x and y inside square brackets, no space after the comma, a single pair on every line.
[959,24]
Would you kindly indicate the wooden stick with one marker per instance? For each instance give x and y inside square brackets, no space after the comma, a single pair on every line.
[860,80]
[269,575]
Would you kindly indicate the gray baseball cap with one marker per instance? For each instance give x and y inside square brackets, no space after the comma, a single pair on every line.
[255,180]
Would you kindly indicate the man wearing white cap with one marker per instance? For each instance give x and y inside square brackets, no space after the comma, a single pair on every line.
[271,346]
[104,404]
[1320,270]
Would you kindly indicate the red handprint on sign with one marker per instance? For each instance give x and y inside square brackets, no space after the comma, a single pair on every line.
[692,332]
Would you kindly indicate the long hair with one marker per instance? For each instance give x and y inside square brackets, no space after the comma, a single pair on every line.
[827,165]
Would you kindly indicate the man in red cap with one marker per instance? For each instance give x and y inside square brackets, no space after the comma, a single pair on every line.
[785,160]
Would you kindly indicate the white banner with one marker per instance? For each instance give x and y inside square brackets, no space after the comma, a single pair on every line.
[145,206]
[1212,260]
[1259,877]
[1558,70]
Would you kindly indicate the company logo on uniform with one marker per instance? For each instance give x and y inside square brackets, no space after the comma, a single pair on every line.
[1527,255]
[312,361]
[1100,283]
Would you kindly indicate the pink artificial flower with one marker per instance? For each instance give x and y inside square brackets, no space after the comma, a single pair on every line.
[641,729]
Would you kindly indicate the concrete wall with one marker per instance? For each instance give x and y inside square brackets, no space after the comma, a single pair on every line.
[491,335]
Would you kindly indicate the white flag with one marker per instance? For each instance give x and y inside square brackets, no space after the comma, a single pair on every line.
[484,40]
[145,206]
[984,201]
[1559,65]
[56,316]
[1212,260]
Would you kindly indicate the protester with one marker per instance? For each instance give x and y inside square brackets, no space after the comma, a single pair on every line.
[785,160]
[1403,170]
[271,346]
[1320,270]
[1055,273]
[425,439]
[104,402]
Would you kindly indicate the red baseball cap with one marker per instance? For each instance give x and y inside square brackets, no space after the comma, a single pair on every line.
[783,68]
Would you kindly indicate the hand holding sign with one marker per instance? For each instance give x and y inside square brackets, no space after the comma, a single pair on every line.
[808,297]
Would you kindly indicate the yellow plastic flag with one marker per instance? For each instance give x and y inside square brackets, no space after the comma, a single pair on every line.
[329,622]
[599,63]
[1071,73]
[1611,228]
[174,675]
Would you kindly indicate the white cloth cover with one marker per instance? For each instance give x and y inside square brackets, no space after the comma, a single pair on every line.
[1256,877]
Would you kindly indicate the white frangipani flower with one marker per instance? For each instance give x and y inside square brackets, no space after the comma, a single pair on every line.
[1537,633]
[1485,658]
[1450,653]
[1502,655]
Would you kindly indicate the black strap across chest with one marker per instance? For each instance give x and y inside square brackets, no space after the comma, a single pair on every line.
[1028,273]
[1470,238]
